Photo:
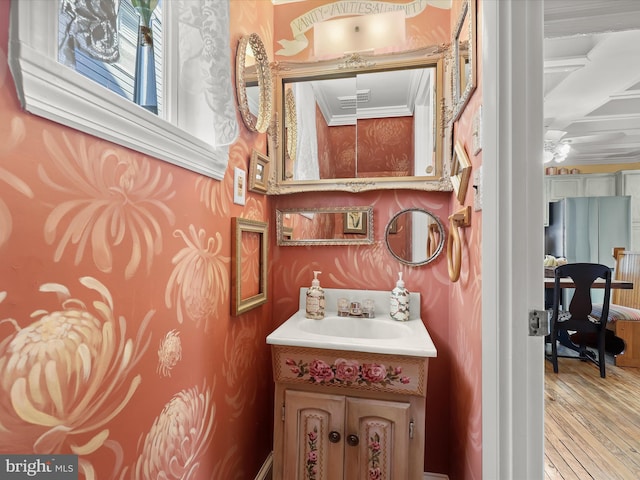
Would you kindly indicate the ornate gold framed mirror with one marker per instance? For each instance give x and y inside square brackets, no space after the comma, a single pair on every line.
[414,237]
[361,122]
[325,226]
[254,83]
[464,58]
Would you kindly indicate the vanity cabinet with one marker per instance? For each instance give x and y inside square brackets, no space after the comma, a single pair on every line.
[332,436]
[344,414]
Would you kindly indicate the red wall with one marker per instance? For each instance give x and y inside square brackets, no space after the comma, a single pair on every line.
[109,262]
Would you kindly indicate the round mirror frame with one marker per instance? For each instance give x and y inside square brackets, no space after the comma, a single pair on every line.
[438,249]
[265,84]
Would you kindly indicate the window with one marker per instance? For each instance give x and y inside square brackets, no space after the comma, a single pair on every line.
[196,120]
[109,60]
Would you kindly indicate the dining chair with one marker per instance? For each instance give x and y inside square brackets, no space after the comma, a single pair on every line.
[577,318]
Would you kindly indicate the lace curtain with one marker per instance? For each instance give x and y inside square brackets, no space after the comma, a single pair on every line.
[306,166]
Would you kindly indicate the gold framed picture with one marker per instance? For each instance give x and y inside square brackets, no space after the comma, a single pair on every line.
[258,172]
[248,264]
[354,222]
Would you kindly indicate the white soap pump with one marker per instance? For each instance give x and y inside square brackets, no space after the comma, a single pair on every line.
[315,299]
[399,307]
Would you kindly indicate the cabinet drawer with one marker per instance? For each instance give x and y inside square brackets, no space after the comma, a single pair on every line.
[353,370]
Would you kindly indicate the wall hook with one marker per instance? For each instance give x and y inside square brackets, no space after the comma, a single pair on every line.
[462,218]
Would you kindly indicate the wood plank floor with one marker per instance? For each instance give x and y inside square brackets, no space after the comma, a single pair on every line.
[592,424]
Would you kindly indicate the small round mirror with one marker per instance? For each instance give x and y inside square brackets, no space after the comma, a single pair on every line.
[415,237]
[254,85]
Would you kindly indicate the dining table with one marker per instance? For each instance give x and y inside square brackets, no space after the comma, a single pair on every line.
[598,283]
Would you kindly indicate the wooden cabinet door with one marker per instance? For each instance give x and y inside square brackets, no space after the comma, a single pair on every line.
[313,436]
[382,447]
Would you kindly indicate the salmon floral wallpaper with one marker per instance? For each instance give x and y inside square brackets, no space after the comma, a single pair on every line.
[116,338]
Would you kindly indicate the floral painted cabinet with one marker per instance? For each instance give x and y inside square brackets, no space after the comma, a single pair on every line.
[348,415]
[327,437]
[313,431]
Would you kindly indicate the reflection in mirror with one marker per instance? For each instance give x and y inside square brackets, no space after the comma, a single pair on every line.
[254,85]
[464,74]
[414,237]
[325,226]
[361,122]
[378,124]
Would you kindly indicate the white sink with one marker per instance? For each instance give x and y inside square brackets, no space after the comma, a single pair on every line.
[353,327]
[374,335]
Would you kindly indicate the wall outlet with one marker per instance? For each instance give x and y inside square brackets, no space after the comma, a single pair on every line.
[477,189]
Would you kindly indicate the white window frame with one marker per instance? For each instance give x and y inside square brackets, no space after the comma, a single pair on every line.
[51,90]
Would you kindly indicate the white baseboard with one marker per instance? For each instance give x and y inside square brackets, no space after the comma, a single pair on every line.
[265,470]
[435,476]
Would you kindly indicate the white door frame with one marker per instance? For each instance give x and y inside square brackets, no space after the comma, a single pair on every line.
[512,238]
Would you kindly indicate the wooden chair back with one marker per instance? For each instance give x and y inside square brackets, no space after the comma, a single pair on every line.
[627,268]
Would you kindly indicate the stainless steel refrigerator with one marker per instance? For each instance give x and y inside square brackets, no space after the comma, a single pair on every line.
[586,229]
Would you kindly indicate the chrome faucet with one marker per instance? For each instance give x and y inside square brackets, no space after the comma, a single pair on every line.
[355,309]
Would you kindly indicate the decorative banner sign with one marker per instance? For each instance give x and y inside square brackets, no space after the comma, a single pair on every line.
[302,24]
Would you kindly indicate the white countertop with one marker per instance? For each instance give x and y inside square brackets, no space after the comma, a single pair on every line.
[373,335]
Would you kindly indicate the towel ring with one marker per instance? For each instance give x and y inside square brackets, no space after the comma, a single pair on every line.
[459,219]
[454,251]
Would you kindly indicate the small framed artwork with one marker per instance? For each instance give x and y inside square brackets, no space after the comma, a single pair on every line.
[248,264]
[239,186]
[258,172]
[355,222]
[460,172]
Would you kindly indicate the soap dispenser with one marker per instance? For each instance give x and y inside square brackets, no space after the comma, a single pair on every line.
[315,299]
[399,301]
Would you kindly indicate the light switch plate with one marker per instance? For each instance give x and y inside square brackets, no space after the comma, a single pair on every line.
[477,189]
[239,186]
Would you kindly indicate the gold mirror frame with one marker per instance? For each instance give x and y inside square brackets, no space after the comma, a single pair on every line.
[434,237]
[241,303]
[363,228]
[262,76]
[461,96]
[286,72]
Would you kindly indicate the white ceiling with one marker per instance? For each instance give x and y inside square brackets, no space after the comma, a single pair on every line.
[592,79]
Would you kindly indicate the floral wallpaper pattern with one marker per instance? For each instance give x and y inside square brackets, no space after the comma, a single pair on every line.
[116,339]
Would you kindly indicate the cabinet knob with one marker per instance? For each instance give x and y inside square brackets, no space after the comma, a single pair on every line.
[353,440]
[334,437]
